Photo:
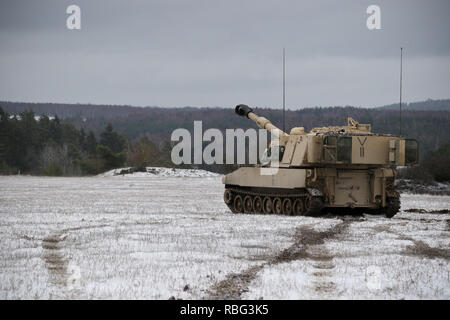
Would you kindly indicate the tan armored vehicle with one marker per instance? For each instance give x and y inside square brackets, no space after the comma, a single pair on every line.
[331,167]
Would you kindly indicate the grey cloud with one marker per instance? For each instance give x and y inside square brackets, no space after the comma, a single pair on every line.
[219,53]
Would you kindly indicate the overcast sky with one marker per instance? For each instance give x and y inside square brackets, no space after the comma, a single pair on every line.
[223,52]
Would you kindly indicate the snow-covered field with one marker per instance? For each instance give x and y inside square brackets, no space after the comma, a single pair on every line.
[156,236]
[161,172]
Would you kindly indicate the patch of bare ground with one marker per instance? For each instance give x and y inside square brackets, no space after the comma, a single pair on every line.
[235,284]
[426,220]
[325,286]
[323,268]
[442,211]
[55,262]
[306,236]
[422,249]
[325,265]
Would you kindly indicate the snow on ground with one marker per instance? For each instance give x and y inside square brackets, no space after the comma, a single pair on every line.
[375,259]
[161,172]
[132,238]
[411,186]
[425,201]
[406,257]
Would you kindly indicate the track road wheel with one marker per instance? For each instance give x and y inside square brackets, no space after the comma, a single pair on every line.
[228,196]
[267,205]
[257,204]
[313,205]
[393,206]
[298,207]
[287,206]
[248,204]
[238,204]
[277,206]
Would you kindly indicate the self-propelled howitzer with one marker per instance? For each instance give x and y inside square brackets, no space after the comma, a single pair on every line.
[329,167]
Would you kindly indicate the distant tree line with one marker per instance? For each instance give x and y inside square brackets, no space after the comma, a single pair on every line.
[42,145]
[85,142]
[434,167]
[427,121]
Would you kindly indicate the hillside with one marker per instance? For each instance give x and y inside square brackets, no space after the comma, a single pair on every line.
[427,121]
[428,105]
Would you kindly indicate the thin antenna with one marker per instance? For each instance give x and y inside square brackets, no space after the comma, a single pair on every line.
[284,89]
[401,72]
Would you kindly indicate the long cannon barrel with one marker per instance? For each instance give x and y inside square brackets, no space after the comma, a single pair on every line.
[263,123]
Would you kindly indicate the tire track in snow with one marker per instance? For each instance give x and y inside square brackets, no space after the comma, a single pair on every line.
[323,268]
[418,247]
[305,238]
[421,249]
[55,262]
[62,274]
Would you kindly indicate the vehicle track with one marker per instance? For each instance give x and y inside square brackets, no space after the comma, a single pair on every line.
[62,274]
[421,249]
[307,245]
[415,210]
[55,261]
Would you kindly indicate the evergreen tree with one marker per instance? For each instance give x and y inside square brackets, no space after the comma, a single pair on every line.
[4,137]
[91,144]
[44,128]
[56,131]
[437,163]
[110,159]
[82,140]
[109,138]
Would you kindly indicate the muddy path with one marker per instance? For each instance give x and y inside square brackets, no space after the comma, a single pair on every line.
[418,247]
[55,262]
[63,274]
[421,249]
[308,244]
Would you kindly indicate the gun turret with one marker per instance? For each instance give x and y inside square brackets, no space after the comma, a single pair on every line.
[244,110]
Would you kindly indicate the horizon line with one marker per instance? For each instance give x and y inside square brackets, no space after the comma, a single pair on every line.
[217,107]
